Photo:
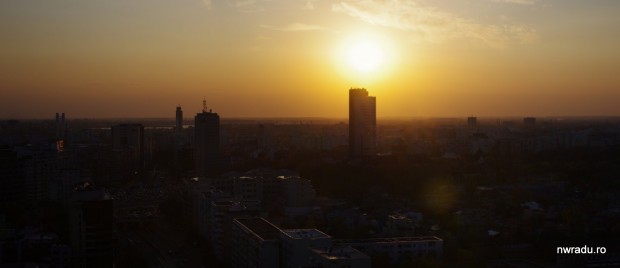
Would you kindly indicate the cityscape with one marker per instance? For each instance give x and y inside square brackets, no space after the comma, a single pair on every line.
[211,192]
[163,134]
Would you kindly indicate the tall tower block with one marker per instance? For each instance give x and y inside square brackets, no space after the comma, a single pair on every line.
[362,123]
[179,119]
[206,143]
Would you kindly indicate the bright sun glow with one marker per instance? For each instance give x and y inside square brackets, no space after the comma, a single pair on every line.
[365,56]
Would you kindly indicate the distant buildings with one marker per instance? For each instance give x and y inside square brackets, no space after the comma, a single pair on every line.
[278,191]
[128,143]
[206,142]
[399,225]
[282,189]
[362,123]
[61,130]
[179,119]
[297,191]
[472,121]
[128,136]
[529,121]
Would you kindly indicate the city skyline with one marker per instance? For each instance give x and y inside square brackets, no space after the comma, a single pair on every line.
[119,59]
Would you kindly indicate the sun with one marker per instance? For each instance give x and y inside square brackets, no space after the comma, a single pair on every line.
[365,56]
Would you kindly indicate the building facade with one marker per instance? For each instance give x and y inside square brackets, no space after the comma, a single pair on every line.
[179,119]
[256,243]
[398,248]
[128,143]
[259,243]
[93,236]
[206,143]
[362,123]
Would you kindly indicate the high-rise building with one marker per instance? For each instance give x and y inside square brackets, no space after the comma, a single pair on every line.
[472,121]
[362,123]
[206,142]
[93,237]
[11,177]
[128,143]
[60,126]
[179,119]
[529,121]
[61,131]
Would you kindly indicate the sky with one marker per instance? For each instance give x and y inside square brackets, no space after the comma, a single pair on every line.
[289,58]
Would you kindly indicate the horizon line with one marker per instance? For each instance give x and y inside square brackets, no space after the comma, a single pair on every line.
[323,117]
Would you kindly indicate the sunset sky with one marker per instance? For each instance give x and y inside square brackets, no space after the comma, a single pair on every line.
[287,58]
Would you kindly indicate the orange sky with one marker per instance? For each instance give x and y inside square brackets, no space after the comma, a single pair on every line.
[285,58]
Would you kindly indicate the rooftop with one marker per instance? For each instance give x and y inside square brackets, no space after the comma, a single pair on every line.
[305,233]
[260,227]
[389,240]
[334,253]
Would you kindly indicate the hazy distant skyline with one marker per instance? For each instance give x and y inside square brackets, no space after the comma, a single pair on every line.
[277,58]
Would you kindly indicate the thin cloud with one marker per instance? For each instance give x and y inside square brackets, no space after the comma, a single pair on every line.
[207,4]
[308,6]
[431,24]
[244,3]
[518,2]
[294,27]
[248,6]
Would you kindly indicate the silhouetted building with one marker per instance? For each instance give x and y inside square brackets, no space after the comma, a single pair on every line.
[362,123]
[529,121]
[60,125]
[39,164]
[399,225]
[206,143]
[61,131]
[93,237]
[282,189]
[472,121]
[128,143]
[179,119]
[298,191]
[11,177]
[60,255]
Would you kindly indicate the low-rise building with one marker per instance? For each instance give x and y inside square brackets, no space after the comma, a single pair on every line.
[397,247]
[256,243]
[221,217]
[297,245]
[337,257]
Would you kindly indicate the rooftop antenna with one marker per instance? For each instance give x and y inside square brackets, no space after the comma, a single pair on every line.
[204,105]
